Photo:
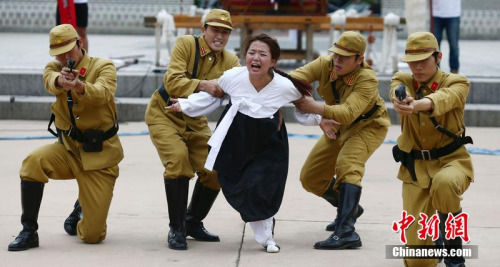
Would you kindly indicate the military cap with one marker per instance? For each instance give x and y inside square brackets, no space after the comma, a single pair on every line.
[419,46]
[62,39]
[219,18]
[350,43]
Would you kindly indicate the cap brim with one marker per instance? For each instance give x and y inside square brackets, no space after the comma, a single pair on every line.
[415,57]
[217,24]
[341,52]
[62,49]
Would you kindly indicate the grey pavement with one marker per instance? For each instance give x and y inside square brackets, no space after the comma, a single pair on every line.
[138,220]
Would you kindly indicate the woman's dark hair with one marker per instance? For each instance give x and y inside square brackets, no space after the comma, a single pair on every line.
[303,87]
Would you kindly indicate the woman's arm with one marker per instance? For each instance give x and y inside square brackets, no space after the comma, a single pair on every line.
[196,104]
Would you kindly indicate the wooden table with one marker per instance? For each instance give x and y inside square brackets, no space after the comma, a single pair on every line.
[249,23]
[309,24]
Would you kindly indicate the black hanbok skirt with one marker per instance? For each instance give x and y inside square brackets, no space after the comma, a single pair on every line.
[252,166]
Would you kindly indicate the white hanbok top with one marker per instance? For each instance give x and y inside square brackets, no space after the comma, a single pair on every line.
[245,99]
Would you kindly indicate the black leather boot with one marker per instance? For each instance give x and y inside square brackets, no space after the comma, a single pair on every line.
[202,200]
[177,195]
[344,236]
[74,217]
[455,243]
[333,198]
[31,197]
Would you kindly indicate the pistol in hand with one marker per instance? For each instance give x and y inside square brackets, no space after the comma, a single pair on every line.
[400,92]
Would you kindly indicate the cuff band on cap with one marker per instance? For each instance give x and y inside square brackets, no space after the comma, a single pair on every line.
[225,22]
[346,49]
[63,43]
[418,51]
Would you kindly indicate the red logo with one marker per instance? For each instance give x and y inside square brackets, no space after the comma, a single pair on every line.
[434,86]
[83,70]
[455,226]
[415,85]
[401,226]
[333,76]
[430,227]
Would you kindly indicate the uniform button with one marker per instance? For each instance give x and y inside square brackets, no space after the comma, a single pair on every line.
[210,58]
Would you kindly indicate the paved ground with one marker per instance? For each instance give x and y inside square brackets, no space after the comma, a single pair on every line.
[138,221]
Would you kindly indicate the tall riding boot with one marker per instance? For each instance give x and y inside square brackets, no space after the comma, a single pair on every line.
[31,197]
[74,217]
[455,243]
[344,235]
[177,195]
[333,198]
[201,202]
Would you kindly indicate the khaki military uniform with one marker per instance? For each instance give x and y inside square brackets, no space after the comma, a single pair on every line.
[346,156]
[95,172]
[440,182]
[181,141]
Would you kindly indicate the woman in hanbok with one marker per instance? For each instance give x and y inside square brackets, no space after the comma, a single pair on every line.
[249,148]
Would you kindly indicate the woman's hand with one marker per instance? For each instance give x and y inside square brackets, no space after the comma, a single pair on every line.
[329,127]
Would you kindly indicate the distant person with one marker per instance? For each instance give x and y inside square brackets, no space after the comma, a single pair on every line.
[82,15]
[446,16]
[88,149]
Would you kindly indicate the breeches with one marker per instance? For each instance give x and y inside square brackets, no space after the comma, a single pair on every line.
[183,154]
[345,160]
[443,195]
[95,187]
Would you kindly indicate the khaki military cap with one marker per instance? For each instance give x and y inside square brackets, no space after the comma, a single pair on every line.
[219,18]
[349,44]
[62,39]
[419,46]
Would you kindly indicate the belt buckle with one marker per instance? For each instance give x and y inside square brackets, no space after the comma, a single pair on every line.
[425,152]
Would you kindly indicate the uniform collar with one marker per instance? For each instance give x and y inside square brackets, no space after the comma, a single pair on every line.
[432,84]
[205,48]
[83,64]
[348,78]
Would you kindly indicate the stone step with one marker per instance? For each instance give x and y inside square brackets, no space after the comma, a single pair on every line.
[136,84]
[132,109]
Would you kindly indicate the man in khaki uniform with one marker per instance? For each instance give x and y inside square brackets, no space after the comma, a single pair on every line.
[79,153]
[181,141]
[436,168]
[349,87]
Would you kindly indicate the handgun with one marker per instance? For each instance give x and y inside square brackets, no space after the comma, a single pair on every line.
[401,92]
[70,63]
